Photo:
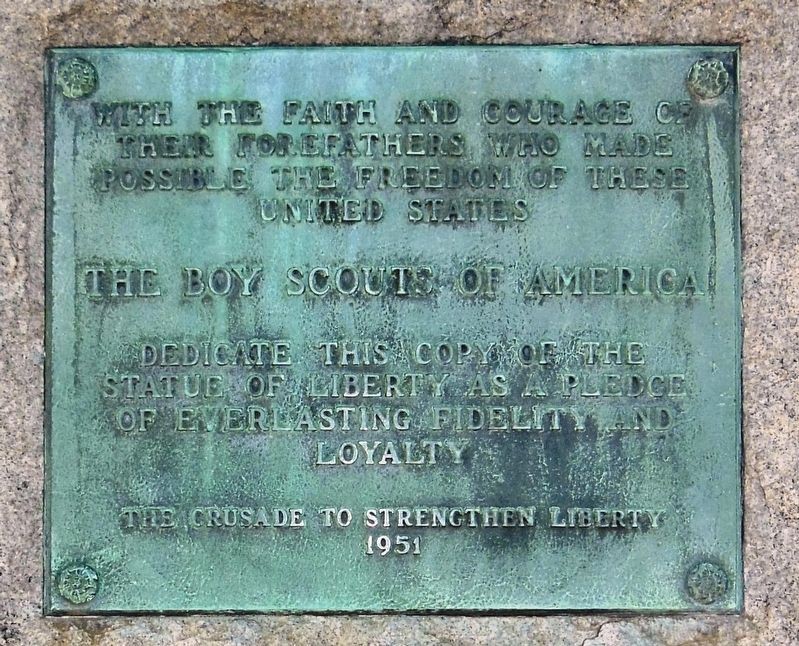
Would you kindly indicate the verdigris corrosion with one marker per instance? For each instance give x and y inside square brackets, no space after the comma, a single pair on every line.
[393,329]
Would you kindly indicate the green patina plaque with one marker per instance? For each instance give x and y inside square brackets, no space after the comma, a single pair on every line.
[432,329]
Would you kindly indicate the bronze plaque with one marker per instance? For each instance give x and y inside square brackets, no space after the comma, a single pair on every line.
[443,329]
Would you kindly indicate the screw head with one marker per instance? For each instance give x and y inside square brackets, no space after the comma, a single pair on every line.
[706,583]
[76,77]
[78,584]
[708,78]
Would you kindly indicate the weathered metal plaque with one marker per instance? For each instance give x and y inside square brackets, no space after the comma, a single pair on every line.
[441,329]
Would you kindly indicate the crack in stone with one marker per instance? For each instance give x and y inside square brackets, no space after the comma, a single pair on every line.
[591,638]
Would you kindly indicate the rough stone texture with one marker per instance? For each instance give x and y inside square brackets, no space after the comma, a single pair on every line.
[769,84]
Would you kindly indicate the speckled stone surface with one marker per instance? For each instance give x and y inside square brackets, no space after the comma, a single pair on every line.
[769,84]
